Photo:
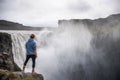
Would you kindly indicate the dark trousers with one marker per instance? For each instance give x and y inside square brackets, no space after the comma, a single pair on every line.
[33,60]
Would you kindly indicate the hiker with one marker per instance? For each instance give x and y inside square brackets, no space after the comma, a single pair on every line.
[30,52]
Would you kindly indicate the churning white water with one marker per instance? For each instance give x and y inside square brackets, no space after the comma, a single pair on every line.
[58,50]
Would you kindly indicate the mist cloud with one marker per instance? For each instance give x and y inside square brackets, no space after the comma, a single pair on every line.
[47,12]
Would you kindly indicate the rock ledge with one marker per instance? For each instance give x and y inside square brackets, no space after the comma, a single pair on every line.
[7,75]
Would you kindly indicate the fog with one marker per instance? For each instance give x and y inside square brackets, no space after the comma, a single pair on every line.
[62,51]
[76,51]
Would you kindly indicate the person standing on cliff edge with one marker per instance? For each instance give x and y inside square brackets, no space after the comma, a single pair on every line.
[30,52]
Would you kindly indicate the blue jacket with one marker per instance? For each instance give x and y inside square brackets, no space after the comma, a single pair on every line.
[30,47]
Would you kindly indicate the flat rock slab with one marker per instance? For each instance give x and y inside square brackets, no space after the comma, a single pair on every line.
[8,75]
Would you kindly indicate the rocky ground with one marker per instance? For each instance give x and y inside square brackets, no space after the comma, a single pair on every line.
[7,75]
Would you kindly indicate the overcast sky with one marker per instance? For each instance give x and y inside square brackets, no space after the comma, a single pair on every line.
[48,12]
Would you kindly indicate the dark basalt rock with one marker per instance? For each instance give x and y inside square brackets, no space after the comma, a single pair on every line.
[6,55]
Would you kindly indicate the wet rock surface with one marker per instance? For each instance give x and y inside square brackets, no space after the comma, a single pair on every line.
[6,56]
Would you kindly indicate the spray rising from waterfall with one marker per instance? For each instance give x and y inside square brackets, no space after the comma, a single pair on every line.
[59,50]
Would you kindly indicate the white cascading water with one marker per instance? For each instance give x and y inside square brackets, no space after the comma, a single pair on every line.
[57,50]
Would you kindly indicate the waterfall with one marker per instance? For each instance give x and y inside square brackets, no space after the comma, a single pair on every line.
[59,50]
[19,39]
[18,43]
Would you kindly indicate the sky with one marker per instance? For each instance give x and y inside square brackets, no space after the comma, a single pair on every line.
[41,13]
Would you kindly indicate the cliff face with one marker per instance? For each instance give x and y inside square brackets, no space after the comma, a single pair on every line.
[110,21]
[6,56]
[103,30]
[105,44]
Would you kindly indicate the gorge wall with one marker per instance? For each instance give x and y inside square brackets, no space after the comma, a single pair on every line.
[6,55]
[104,63]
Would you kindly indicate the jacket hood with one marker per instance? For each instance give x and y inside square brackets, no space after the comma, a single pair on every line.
[30,40]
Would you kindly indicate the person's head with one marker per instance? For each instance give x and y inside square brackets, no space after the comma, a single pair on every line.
[32,36]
